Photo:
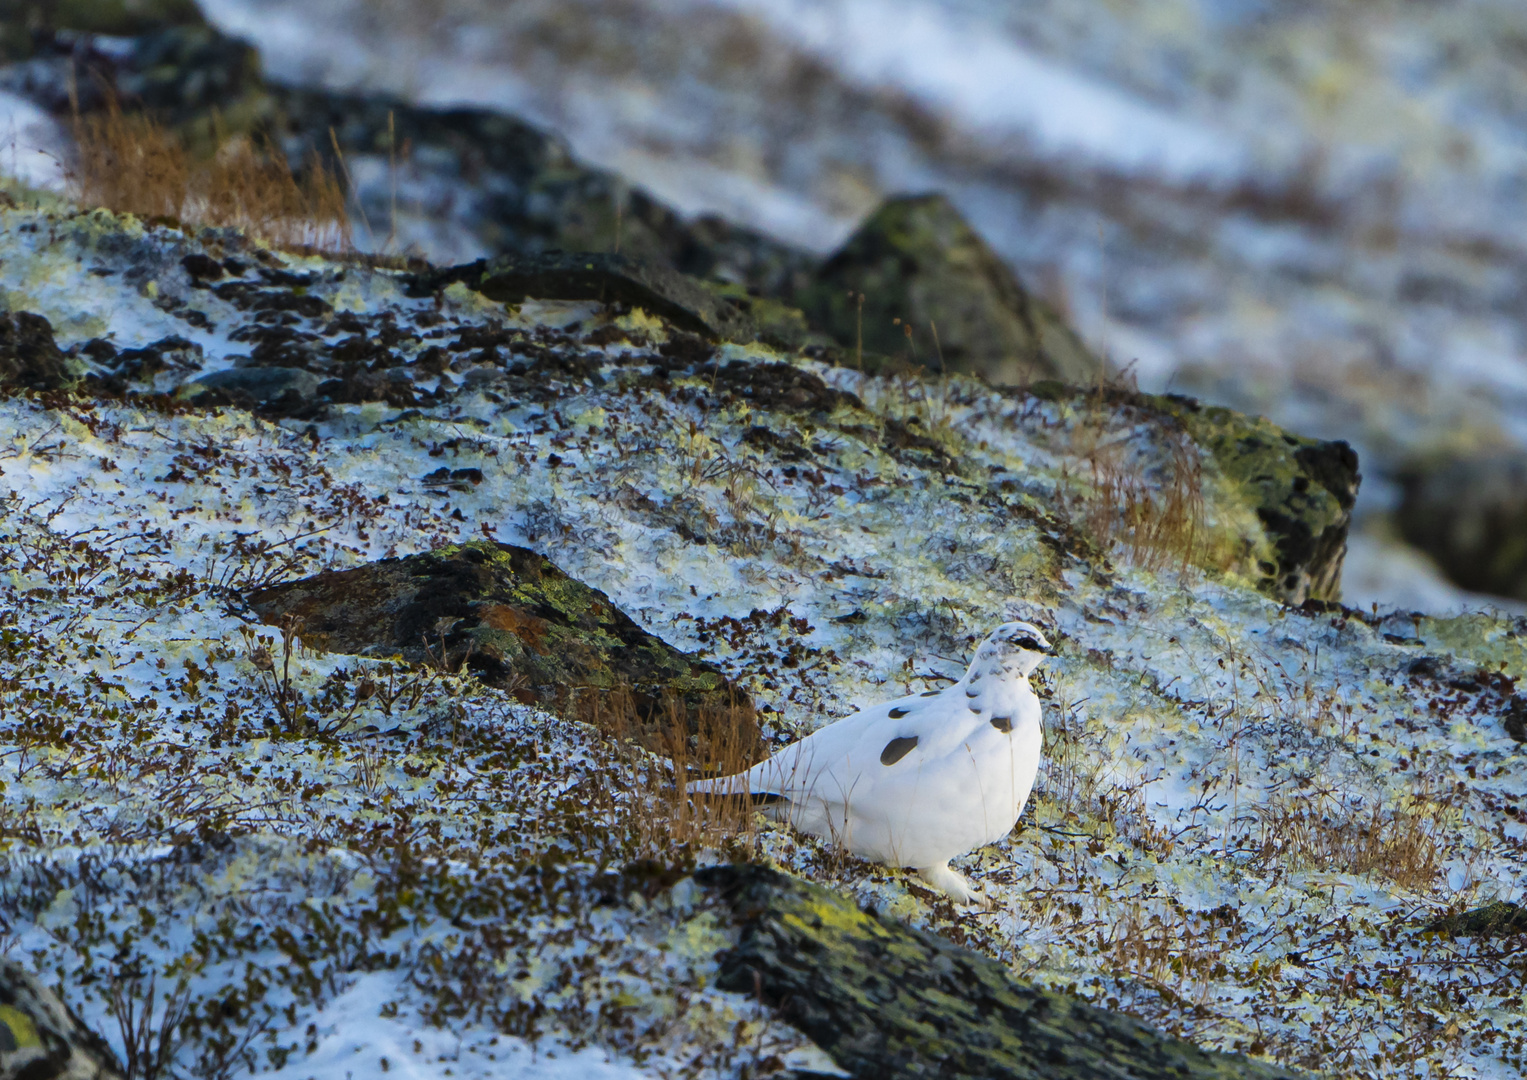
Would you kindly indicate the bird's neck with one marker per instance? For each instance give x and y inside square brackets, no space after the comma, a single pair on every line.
[983,671]
[1000,688]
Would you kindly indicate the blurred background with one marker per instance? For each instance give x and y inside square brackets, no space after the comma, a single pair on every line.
[1312,211]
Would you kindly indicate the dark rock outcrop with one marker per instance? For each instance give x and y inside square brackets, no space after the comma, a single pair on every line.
[25,22]
[514,187]
[1499,919]
[42,1039]
[503,186]
[29,357]
[886,1000]
[497,183]
[1470,515]
[609,279]
[916,260]
[514,619]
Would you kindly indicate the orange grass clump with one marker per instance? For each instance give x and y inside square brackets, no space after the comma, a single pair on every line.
[678,748]
[131,163]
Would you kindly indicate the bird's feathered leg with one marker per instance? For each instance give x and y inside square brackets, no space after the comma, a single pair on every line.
[953,883]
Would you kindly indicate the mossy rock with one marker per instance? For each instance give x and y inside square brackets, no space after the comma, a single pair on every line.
[513,618]
[886,1000]
[1499,919]
[1302,490]
[42,1039]
[916,259]
[779,325]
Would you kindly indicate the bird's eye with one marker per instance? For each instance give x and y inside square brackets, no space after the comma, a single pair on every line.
[1028,643]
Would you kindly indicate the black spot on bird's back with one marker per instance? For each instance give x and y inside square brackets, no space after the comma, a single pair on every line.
[1003,724]
[898,713]
[897,749]
[930,693]
[766,798]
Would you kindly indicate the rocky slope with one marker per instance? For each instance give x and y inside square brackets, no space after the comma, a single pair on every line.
[1385,334]
[234,848]
[1307,211]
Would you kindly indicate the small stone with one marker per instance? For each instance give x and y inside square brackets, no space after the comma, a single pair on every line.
[261,385]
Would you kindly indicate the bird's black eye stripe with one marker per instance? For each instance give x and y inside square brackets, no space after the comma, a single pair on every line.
[1030,644]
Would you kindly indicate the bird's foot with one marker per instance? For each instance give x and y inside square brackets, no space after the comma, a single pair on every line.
[953,883]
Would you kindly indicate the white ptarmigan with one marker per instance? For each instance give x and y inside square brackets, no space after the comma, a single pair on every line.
[920,780]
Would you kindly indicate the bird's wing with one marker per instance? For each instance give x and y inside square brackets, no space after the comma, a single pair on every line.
[840,758]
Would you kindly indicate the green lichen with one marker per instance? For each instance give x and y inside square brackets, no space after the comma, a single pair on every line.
[1485,640]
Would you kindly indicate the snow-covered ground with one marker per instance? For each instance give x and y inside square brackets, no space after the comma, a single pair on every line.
[1247,814]
[34,148]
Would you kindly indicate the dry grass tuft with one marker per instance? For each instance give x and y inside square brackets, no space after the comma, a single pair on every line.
[1148,507]
[1157,521]
[665,751]
[130,163]
[1400,844]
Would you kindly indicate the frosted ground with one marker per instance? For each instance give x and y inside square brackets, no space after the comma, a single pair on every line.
[1247,816]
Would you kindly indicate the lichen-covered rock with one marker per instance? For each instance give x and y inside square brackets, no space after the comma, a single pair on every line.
[1500,919]
[1470,515]
[1302,490]
[917,260]
[512,617]
[609,279]
[887,1000]
[41,1038]
[29,357]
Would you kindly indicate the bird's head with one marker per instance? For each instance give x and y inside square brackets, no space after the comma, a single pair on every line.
[1019,647]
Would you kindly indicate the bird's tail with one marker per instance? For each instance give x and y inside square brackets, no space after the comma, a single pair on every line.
[734,787]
